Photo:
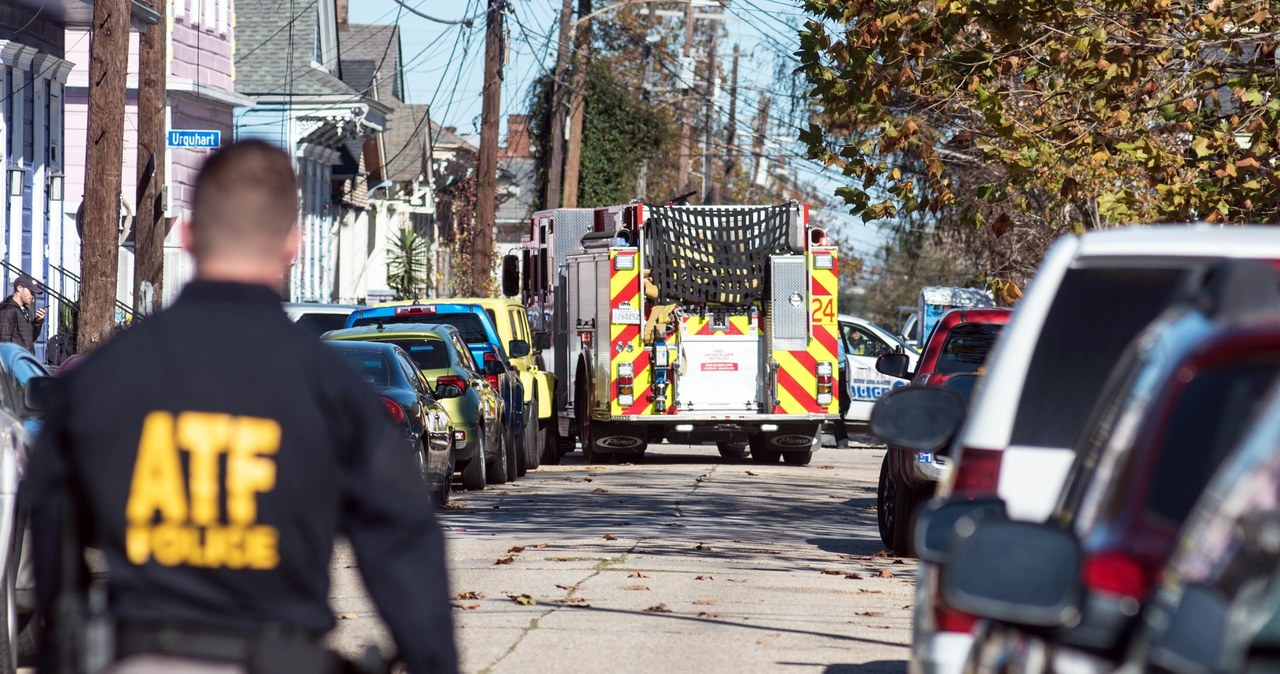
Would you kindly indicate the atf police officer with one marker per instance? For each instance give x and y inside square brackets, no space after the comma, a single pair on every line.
[214,452]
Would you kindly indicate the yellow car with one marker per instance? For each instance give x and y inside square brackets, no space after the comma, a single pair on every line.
[443,358]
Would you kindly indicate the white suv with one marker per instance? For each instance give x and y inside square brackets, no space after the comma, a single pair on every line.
[1091,295]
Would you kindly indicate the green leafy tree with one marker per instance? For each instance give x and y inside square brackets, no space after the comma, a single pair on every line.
[408,264]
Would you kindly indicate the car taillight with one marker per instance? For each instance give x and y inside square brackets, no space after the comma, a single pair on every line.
[460,436]
[414,310]
[626,384]
[977,472]
[394,408]
[951,620]
[1118,574]
[826,382]
[489,357]
[452,379]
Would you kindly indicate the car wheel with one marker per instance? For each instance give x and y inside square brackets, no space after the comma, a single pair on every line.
[761,452]
[532,450]
[550,443]
[446,480]
[885,503]
[516,466]
[496,471]
[732,451]
[473,474]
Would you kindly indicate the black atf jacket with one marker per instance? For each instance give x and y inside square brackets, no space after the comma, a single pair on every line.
[213,452]
[17,325]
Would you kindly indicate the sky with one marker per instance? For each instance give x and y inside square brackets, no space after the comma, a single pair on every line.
[444,65]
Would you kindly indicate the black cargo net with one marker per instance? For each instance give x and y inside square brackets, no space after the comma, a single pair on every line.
[707,255]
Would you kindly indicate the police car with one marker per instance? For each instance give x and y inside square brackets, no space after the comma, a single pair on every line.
[865,341]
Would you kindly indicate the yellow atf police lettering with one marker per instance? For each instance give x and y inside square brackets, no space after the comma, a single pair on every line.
[207,522]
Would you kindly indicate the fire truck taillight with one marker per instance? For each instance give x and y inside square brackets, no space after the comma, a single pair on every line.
[824,261]
[624,262]
[626,384]
[826,383]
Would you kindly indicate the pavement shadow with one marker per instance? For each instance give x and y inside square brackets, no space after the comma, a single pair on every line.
[877,667]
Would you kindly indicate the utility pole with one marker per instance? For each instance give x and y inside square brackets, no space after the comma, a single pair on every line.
[731,144]
[711,187]
[487,165]
[559,109]
[99,251]
[686,104]
[577,101]
[642,178]
[760,164]
[149,225]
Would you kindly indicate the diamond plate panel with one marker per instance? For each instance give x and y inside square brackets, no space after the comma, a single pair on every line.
[789,318]
[571,225]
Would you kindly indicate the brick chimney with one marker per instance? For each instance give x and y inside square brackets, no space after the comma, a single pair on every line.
[517,138]
[341,14]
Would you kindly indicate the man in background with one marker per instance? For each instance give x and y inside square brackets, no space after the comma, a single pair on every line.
[18,322]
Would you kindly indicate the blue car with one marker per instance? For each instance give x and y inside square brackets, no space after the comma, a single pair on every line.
[482,338]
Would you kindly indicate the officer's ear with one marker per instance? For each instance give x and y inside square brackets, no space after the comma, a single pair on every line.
[292,244]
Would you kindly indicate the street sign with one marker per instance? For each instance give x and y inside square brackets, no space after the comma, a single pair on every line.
[195,139]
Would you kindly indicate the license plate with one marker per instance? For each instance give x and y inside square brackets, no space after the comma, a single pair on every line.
[924,457]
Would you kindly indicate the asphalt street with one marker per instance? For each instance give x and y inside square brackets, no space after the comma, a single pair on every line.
[677,564]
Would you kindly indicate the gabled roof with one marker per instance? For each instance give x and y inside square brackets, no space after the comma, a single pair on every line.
[405,142]
[273,51]
[368,50]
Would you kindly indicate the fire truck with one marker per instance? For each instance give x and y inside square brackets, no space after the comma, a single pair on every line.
[686,323]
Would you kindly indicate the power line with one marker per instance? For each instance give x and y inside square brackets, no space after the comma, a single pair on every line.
[468,21]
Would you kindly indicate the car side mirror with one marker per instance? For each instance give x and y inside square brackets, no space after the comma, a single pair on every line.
[493,367]
[917,418]
[542,340]
[1020,573]
[896,365]
[510,275]
[40,393]
[448,391]
[943,520]
[518,348]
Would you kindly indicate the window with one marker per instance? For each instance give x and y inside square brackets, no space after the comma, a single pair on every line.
[410,373]
[464,354]
[1095,314]
[427,354]
[861,342]
[371,366]
[469,325]
[967,347]
[322,323]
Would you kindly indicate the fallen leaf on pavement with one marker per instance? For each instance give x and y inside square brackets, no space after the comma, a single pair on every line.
[454,505]
[885,573]
[467,607]
[541,546]
[636,574]
[609,537]
[735,580]
[504,560]
[712,616]
[871,591]
[571,600]
[853,576]
[348,616]
[637,588]
[704,578]
[660,608]
[870,614]
[702,546]
[599,490]
[470,595]
[704,602]
[524,600]
[516,549]
[883,554]
[752,474]
[832,572]
[585,479]
[907,607]
[826,467]
[899,561]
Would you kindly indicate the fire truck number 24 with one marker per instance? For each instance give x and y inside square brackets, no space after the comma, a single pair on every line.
[824,310]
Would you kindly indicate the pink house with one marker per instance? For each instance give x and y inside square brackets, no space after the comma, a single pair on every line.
[201,96]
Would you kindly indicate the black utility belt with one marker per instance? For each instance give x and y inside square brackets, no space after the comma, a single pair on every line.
[259,654]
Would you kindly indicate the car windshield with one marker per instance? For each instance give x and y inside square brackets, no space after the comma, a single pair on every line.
[370,365]
[427,354]
[468,324]
[967,347]
[321,323]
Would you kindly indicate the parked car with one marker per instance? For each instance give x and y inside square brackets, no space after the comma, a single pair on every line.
[319,318]
[959,344]
[1177,404]
[486,346]
[444,359]
[1090,297]
[864,342]
[426,429]
[512,323]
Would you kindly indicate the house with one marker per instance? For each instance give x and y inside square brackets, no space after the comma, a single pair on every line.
[517,180]
[288,60]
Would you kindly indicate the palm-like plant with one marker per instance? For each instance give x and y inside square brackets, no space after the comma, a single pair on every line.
[408,264]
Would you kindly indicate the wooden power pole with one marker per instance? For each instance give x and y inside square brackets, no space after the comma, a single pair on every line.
[149,224]
[487,165]
[577,103]
[731,141]
[760,163]
[559,106]
[99,248]
[686,105]
[711,187]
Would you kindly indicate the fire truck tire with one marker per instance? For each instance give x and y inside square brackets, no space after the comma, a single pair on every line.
[761,452]
[496,471]
[532,447]
[732,451]
[551,443]
[797,458]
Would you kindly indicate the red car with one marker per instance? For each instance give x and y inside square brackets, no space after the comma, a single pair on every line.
[958,345]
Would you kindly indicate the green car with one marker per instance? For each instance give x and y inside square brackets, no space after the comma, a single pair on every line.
[442,355]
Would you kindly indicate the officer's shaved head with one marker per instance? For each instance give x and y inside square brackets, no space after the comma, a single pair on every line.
[246,202]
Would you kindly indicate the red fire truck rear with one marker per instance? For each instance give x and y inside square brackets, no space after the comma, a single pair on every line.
[686,323]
